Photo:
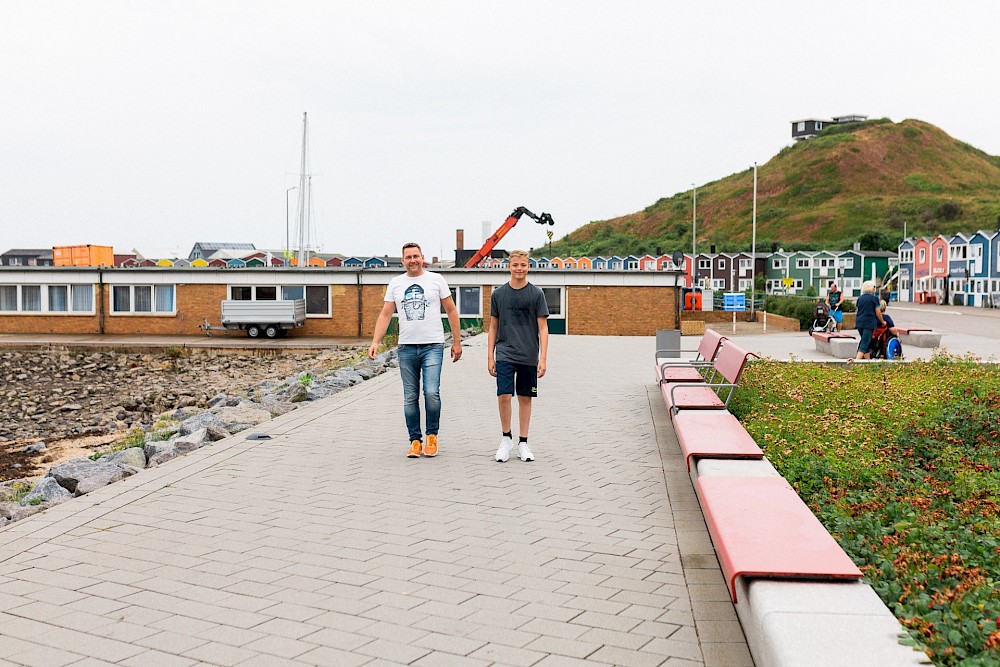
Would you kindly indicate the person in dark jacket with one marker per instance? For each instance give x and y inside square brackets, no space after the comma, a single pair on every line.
[867,319]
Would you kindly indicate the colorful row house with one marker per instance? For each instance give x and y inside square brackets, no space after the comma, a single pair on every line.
[960,269]
[811,272]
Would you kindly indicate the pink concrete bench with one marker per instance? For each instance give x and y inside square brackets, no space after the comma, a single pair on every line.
[839,345]
[761,528]
[713,434]
[710,394]
[708,348]
[919,337]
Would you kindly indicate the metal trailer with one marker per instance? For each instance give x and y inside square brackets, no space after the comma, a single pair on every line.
[269,319]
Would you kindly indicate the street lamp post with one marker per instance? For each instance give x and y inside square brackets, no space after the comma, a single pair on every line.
[287,248]
[694,221]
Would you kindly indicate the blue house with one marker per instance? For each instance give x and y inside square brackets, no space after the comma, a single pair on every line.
[353,262]
[376,263]
[599,264]
[615,263]
[979,267]
[631,263]
[959,283]
[236,263]
[905,286]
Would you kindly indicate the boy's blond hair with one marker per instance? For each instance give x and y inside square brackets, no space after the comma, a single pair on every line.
[518,253]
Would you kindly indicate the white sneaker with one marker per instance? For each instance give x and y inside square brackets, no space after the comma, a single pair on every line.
[503,451]
[524,452]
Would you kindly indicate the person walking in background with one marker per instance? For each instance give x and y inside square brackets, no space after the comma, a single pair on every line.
[418,296]
[868,318]
[834,301]
[516,350]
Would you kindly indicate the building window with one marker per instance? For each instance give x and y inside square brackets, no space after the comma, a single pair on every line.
[633,264]
[798,284]
[469,301]
[803,264]
[553,299]
[704,264]
[722,264]
[8,298]
[802,126]
[267,293]
[142,299]
[31,298]
[923,255]
[240,293]
[939,254]
[744,265]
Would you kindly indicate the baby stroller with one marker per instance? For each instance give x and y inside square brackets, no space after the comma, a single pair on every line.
[885,345]
[822,321]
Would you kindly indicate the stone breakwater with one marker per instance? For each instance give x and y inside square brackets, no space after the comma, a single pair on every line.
[156,436]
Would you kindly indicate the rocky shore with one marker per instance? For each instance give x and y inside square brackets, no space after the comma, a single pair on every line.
[150,407]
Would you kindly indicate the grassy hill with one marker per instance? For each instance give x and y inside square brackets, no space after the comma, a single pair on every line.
[858,182]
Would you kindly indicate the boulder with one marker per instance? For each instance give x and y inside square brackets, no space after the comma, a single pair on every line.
[350,375]
[134,457]
[159,452]
[36,448]
[295,393]
[47,489]
[81,476]
[192,441]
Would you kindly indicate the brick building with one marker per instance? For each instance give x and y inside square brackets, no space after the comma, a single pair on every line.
[339,301]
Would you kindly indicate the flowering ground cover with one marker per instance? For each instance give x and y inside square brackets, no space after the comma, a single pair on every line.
[901,463]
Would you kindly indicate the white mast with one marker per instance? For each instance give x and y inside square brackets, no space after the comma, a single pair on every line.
[753,243]
[304,196]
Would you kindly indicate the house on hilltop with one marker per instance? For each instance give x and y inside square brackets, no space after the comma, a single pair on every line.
[810,127]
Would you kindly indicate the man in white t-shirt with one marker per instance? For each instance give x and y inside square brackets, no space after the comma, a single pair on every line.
[418,296]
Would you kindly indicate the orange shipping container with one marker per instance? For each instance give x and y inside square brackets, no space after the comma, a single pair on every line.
[83,255]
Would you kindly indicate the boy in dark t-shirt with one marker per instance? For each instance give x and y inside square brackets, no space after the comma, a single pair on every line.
[516,350]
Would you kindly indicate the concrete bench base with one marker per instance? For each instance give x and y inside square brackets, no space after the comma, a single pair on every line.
[920,339]
[839,347]
[788,624]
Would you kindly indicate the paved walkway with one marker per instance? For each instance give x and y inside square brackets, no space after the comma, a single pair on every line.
[326,546]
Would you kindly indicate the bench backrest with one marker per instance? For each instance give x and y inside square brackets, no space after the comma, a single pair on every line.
[709,345]
[730,361]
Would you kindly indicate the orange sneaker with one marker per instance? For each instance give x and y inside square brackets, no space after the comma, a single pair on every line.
[414,449]
[432,445]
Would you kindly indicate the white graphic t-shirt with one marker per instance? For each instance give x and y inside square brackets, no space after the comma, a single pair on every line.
[418,304]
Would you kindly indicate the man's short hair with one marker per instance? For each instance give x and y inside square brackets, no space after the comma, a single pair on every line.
[412,245]
[518,253]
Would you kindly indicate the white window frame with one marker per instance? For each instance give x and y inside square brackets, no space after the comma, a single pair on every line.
[561,315]
[722,265]
[803,263]
[153,312]
[43,300]
[705,264]
[461,301]
[939,254]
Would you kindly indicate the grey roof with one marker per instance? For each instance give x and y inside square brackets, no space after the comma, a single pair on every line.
[220,246]
[34,252]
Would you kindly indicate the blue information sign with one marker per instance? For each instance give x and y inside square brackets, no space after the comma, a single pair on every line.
[734,302]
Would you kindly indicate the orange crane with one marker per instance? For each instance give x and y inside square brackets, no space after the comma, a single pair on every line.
[491,242]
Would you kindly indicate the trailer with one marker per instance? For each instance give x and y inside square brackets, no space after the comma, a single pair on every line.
[269,319]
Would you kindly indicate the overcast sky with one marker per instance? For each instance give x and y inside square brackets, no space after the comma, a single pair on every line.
[154,125]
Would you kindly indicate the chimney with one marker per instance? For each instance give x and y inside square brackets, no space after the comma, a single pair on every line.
[459,239]
[711,249]
[857,245]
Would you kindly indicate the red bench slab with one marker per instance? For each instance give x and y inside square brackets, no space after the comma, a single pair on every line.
[713,434]
[761,528]
[708,348]
[681,374]
[728,366]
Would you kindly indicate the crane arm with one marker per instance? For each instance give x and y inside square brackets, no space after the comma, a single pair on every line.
[508,224]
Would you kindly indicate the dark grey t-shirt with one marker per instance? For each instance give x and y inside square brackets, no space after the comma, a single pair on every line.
[518,311]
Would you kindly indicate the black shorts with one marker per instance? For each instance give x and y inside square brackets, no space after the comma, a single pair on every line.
[521,379]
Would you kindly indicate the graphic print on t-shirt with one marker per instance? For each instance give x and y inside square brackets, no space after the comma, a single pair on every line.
[414,304]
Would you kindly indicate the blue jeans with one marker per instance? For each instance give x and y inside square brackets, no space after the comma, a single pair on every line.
[415,360]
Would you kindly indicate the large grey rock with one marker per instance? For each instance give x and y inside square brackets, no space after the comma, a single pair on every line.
[276,406]
[11,512]
[36,448]
[45,490]
[231,419]
[350,375]
[192,441]
[295,393]
[81,476]
[134,457]
[159,452]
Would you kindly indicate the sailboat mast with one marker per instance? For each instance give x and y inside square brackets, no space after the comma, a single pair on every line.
[304,195]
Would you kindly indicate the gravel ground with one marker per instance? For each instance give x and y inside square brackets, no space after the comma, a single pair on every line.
[72,400]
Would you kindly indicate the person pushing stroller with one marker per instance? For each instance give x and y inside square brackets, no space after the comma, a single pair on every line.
[834,303]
